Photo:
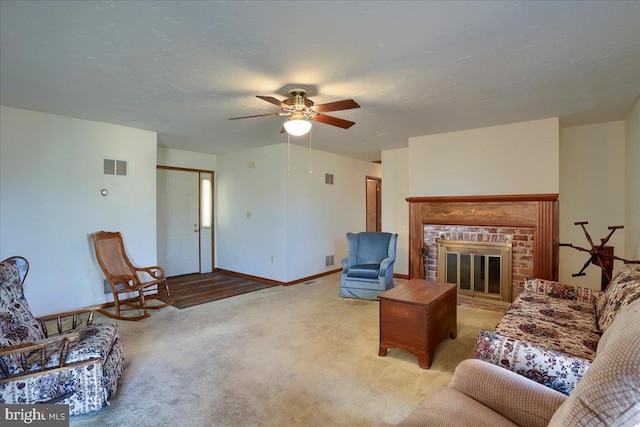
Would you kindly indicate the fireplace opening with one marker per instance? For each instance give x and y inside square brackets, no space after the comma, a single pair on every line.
[479,269]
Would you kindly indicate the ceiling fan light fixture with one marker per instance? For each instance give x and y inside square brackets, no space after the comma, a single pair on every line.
[297,126]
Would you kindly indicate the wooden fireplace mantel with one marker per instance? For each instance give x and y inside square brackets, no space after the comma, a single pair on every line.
[539,211]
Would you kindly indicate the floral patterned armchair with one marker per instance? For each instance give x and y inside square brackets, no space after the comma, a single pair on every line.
[79,365]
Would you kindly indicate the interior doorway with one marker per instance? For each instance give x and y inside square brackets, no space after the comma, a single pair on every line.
[184,220]
[374,204]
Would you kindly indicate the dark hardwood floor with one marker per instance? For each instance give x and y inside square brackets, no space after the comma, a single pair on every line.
[195,289]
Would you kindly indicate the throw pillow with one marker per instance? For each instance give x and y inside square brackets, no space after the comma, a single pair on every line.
[622,291]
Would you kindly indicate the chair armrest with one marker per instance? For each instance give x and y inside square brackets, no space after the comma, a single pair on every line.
[155,271]
[38,345]
[69,320]
[24,356]
[348,262]
[385,264]
[561,290]
[519,399]
[555,369]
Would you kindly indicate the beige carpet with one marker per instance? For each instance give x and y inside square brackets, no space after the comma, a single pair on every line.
[283,356]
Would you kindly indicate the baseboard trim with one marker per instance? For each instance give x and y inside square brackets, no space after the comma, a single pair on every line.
[401,276]
[276,282]
[484,301]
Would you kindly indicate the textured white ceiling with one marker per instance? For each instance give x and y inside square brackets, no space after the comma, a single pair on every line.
[416,68]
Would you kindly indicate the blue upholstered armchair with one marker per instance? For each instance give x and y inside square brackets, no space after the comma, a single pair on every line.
[368,269]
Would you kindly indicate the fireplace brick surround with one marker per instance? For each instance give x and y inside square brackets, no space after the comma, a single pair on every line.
[529,222]
[521,239]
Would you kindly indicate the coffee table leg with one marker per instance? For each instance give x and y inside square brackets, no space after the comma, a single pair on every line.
[383,351]
[424,361]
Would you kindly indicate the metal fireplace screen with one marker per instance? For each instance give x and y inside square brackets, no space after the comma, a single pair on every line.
[480,269]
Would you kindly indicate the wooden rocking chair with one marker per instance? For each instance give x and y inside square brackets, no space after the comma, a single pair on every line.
[124,279]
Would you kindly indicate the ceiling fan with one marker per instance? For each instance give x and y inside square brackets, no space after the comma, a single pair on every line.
[303,111]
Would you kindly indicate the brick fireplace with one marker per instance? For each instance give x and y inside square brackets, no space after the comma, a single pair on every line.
[528,222]
[520,238]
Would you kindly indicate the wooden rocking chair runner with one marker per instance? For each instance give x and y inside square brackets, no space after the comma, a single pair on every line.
[124,279]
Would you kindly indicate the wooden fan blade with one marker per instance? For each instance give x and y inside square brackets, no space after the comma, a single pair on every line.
[257,115]
[333,121]
[270,99]
[345,104]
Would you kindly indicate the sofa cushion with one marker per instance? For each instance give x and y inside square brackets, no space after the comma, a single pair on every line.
[622,291]
[555,369]
[364,271]
[609,394]
[17,323]
[549,335]
[567,313]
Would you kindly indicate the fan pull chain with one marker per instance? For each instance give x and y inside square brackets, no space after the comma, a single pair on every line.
[310,153]
[288,153]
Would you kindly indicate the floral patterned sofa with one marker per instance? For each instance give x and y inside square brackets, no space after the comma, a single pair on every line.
[481,394]
[551,331]
[79,366]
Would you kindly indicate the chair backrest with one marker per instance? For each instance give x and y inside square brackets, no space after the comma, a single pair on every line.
[22,264]
[371,247]
[17,323]
[113,259]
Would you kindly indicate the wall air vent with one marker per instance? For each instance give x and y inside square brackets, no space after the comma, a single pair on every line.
[115,167]
[328,178]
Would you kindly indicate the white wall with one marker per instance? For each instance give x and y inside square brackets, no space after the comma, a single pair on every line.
[319,215]
[632,182]
[296,219]
[186,159]
[395,208]
[519,158]
[50,202]
[592,188]
[248,245]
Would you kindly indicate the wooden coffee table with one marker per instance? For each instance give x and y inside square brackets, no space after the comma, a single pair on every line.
[416,317]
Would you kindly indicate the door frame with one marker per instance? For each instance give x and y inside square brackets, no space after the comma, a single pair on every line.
[378,212]
[199,172]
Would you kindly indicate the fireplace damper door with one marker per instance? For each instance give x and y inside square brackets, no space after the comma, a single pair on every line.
[479,269]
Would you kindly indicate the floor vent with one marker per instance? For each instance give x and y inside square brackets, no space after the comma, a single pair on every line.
[310,282]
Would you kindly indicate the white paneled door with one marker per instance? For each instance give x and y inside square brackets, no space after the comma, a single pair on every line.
[178,221]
